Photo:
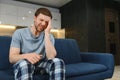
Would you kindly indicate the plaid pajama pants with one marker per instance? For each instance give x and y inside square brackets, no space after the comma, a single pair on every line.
[24,70]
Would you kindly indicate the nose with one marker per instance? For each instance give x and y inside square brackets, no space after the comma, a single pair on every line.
[43,23]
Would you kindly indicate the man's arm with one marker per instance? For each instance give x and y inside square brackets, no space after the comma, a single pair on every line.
[15,56]
[49,47]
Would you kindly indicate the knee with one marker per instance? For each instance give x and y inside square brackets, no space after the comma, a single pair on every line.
[23,63]
[56,60]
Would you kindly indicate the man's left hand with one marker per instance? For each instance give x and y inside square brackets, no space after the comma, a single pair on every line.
[47,30]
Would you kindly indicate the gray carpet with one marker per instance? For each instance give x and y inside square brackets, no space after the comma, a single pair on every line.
[116,75]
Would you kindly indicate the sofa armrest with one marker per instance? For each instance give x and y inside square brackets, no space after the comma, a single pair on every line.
[106,59]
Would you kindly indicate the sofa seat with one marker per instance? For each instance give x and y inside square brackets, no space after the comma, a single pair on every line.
[71,71]
[6,74]
[83,69]
[40,77]
[79,65]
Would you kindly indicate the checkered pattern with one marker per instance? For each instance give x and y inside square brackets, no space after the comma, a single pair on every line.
[24,70]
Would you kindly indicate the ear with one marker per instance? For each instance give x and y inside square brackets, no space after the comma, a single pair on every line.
[35,18]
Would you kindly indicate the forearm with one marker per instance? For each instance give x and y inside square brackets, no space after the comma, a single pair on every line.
[16,57]
[49,47]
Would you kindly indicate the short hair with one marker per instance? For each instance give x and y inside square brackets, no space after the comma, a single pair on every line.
[44,11]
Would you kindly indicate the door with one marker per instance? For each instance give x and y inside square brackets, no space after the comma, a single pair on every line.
[112,33]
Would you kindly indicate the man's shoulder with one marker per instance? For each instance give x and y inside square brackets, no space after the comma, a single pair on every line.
[22,30]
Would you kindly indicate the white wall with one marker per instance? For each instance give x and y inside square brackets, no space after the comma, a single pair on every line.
[21,14]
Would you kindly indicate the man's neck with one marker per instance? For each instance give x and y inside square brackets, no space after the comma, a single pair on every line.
[34,31]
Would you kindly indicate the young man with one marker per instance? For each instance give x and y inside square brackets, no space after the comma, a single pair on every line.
[33,47]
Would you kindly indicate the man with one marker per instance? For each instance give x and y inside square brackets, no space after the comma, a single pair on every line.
[33,47]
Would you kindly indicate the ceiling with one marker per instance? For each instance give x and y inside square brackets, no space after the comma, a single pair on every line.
[49,3]
[117,0]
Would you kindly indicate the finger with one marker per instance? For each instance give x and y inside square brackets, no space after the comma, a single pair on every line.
[49,24]
[33,61]
[41,55]
[36,58]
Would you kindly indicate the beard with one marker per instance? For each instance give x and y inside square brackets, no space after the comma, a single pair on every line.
[39,27]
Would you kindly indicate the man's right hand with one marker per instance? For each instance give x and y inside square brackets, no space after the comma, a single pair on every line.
[33,57]
[15,56]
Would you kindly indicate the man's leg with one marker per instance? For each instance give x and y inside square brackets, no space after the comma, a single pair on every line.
[55,68]
[23,70]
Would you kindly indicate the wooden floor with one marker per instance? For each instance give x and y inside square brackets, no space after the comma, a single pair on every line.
[116,75]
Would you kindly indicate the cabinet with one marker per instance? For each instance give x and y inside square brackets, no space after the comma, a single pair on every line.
[23,16]
[56,21]
[8,14]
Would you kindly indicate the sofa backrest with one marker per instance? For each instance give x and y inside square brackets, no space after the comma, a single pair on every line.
[68,50]
[4,52]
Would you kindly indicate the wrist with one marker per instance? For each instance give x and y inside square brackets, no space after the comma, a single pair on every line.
[50,58]
[24,56]
[47,33]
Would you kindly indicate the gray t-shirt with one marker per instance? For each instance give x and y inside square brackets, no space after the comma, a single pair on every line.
[28,43]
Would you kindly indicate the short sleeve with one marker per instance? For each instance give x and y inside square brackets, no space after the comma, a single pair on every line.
[16,39]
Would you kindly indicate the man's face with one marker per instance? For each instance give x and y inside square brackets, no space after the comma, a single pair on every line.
[41,22]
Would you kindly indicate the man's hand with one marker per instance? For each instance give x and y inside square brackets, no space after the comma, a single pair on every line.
[33,57]
[47,30]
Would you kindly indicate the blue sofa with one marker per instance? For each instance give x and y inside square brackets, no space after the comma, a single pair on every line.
[79,65]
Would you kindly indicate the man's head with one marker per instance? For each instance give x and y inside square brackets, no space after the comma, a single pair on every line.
[44,11]
[41,19]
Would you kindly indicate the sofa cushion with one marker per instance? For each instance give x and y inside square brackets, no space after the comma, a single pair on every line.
[41,77]
[9,75]
[6,74]
[80,69]
[4,52]
[68,50]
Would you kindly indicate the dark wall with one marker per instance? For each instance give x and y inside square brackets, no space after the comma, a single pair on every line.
[96,25]
[84,21]
[74,21]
